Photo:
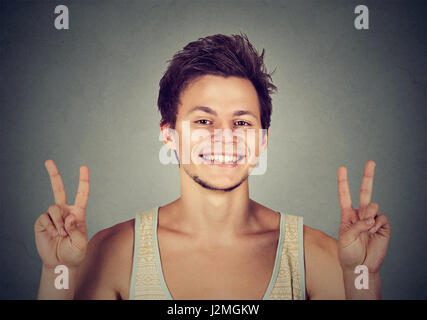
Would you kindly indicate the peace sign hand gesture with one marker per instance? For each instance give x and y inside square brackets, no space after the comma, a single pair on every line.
[61,234]
[364,233]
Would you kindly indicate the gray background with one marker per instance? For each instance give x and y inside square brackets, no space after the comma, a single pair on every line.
[87,96]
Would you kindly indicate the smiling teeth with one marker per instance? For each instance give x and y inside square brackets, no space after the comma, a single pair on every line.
[220,158]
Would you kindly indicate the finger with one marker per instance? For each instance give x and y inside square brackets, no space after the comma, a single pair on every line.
[76,233]
[83,189]
[73,220]
[371,211]
[366,187]
[355,230]
[44,223]
[56,214]
[69,220]
[343,189]
[344,196]
[56,181]
[382,225]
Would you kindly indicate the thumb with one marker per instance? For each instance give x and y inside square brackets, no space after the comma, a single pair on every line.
[77,236]
[353,231]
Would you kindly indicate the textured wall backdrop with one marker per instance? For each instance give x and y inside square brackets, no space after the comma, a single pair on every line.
[87,96]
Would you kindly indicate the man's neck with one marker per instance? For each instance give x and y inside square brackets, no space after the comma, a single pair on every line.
[214,213]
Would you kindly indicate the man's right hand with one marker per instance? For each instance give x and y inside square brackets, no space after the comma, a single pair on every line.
[61,233]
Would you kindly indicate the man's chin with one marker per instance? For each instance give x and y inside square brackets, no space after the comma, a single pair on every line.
[218,186]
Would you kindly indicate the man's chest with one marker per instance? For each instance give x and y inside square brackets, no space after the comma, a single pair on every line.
[238,271]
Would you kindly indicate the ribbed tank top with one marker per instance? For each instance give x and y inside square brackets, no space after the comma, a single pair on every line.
[147,281]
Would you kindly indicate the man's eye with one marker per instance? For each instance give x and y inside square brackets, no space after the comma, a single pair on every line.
[202,121]
[242,123]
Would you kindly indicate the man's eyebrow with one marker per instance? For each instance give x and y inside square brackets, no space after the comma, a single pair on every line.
[244,112]
[202,108]
[213,112]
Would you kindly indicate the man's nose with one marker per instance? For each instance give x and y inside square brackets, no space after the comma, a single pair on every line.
[223,133]
[223,125]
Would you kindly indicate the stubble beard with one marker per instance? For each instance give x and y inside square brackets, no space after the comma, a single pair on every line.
[208,186]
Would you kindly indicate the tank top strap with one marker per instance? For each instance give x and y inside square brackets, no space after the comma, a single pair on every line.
[145,279]
[290,280]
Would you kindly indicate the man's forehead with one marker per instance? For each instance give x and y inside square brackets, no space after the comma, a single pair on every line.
[209,83]
[212,94]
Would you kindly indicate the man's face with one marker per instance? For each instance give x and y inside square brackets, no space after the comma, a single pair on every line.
[218,124]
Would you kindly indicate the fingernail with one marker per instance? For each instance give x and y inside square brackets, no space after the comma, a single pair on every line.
[63,233]
[369,221]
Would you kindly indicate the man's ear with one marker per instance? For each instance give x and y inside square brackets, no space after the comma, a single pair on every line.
[169,137]
[264,142]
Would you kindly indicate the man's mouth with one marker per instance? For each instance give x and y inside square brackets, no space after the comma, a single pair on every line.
[222,158]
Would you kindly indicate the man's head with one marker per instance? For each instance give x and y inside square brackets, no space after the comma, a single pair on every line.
[219,55]
[216,84]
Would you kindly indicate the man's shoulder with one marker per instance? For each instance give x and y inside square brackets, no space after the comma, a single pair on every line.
[318,241]
[117,237]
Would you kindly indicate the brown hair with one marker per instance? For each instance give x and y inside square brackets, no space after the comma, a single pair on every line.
[215,55]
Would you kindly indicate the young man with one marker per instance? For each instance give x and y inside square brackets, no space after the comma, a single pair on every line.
[213,242]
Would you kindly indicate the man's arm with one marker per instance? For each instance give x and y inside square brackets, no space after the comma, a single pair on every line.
[373,292]
[105,273]
[47,289]
[324,276]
